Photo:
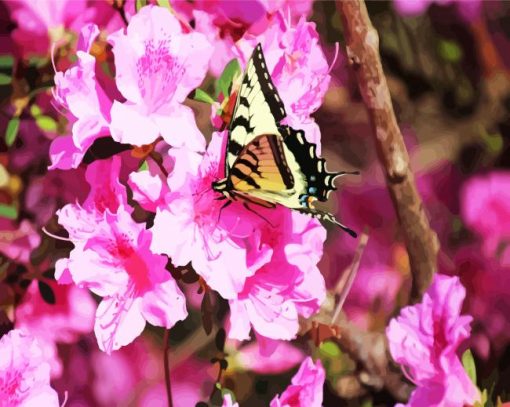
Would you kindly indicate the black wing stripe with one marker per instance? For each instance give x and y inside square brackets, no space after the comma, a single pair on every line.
[236,172]
[234,147]
[279,158]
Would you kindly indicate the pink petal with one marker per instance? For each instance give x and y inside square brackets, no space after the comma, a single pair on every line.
[130,125]
[164,305]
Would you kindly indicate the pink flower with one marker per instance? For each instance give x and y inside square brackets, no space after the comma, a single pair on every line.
[485,208]
[42,23]
[71,316]
[298,69]
[468,10]
[289,285]
[228,401]
[425,339]
[24,372]
[78,91]
[18,241]
[285,357]
[224,246]
[306,387]
[157,66]
[112,258]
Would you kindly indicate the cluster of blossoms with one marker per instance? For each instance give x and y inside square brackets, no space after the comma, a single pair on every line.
[149,211]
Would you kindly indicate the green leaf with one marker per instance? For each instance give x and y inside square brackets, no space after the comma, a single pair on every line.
[5,79]
[469,365]
[6,61]
[139,4]
[330,349]
[224,84]
[450,51]
[8,211]
[144,166]
[35,110]
[46,123]
[202,96]
[12,131]
[164,3]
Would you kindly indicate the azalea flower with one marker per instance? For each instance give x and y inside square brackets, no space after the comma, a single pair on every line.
[157,66]
[289,285]
[71,316]
[305,389]
[113,259]
[485,209]
[77,91]
[284,358]
[24,372]
[223,244]
[425,339]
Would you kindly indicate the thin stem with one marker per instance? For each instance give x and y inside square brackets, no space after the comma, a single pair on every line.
[346,285]
[166,363]
[119,6]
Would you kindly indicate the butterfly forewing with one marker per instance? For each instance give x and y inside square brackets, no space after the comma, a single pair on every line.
[258,109]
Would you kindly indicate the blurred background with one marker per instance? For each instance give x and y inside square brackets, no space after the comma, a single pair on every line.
[447,65]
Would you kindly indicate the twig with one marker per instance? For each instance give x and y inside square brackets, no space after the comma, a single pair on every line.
[159,162]
[119,6]
[362,43]
[345,285]
[166,363]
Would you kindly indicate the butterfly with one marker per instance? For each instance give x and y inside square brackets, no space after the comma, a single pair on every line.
[269,163]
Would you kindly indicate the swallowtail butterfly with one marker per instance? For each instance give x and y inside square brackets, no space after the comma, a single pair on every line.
[268,163]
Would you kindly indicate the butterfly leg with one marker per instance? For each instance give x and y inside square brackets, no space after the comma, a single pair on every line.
[245,204]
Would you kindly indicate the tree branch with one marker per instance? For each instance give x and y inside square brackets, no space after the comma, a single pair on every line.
[362,43]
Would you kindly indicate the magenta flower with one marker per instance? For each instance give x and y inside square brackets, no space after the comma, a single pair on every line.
[78,91]
[157,66]
[284,358]
[112,258]
[18,241]
[224,248]
[485,208]
[306,387]
[289,285]
[24,372]
[425,339]
[71,316]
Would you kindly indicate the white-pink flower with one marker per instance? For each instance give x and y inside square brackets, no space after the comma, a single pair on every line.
[157,65]
[223,245]
[305,389]
[112,258]
[425,339]
[24,372]
[72,315]
[78,91]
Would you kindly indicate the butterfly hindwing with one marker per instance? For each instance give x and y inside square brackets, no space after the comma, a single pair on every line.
[258,108]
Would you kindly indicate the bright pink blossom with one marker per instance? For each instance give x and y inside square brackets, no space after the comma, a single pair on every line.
[224,246]
[78,91]
[157,66]
[289,285]
[24,372]
[112,258]
[485,208]
[284,358]
[63,322]
[305,389]
[425,340]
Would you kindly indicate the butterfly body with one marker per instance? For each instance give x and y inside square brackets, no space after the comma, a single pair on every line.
[268,163]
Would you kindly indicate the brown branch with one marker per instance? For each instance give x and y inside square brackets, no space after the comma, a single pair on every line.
[166,364]
[362,43]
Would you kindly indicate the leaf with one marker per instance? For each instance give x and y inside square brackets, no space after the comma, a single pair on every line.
[231,71]
[12,131]
[144,166]
[6,61]
[202,96]
[8,211]
[102,148]
[164,3]
[5,79]
[450,51]
[207,313]
[46,292]
[469,365]
[330,349]
[140,4]
[46,123]
[35,110]
[220,339]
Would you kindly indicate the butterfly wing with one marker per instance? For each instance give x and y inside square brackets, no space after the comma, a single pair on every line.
[258,108]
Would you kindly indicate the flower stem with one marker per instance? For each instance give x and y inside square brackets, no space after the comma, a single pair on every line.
[166,363]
